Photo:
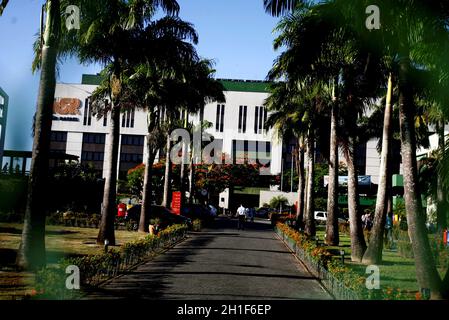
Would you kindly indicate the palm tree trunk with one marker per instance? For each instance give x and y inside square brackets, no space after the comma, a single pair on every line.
[426,272]
[442,204]
[358,244]
[147,192]
[167,176]
[301,182]
[31,254]
[373,254]
[108,210]
[332,236]
[183,167]
[310,228]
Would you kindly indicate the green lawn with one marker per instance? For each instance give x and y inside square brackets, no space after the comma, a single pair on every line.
[60,242]
[395,271]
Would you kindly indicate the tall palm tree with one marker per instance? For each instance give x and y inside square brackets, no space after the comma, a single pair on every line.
[286,118]
[113,36]
[194,87]
[31,254]
[374,253]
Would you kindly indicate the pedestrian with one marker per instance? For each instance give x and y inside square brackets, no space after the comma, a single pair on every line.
[241,211]
[389,230]
[364,220]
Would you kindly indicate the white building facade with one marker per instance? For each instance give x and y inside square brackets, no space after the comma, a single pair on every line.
[238,125]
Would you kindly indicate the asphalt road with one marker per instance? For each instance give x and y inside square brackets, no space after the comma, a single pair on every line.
[220,263]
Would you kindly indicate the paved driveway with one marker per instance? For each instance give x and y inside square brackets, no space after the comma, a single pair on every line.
[220,263]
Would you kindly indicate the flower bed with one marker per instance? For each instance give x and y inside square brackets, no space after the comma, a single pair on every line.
[338,279]
[94,269]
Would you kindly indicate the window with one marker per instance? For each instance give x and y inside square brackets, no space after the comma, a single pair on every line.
[58,136]
[128,140]
[105,116]
[219,123]
[243,112]
[131,157]
[260,118]
[128,119]
[244,151]
[87,121]
[94,138]
[92,156]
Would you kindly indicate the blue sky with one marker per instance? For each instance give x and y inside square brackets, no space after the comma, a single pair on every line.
[236,34]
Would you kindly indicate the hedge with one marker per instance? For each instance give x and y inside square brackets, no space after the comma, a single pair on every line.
[94,269]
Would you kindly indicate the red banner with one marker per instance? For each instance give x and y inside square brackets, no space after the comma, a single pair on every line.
[176,202]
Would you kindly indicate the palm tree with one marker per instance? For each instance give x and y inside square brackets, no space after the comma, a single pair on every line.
[194,87]
[278,7]
[112,36]
[285,117]
[374,253]
[31,254]
[406,32]
[3,5]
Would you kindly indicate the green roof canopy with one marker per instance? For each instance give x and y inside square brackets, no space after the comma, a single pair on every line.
[229,85]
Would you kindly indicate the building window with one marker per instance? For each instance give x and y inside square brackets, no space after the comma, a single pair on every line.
[92,156]
[131,158]
[260,118]
[87,121]
[105,116]
[94,138]
[128,119]
[219,123]
[58,136]
[244,151]
[243,113]
[128,140]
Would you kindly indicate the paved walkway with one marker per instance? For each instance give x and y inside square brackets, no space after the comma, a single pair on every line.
[220,263]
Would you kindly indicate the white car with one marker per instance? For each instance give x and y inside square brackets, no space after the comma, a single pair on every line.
[321,216]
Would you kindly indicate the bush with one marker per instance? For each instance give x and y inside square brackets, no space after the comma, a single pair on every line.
[196,225]
[320,204]
[50,282]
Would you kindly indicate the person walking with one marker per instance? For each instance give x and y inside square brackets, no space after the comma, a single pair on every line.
[241,215]
[389,230]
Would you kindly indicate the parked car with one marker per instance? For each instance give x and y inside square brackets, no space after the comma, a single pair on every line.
[166,216]
[197,211]
[320,216]
[263,212]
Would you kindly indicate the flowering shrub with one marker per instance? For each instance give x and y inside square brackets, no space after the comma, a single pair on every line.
[196,225]
[50,282]
[323,257]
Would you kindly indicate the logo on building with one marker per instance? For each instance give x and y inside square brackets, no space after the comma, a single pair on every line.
[67,107]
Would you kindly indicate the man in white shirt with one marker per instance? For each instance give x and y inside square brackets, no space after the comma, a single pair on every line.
[241,216]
